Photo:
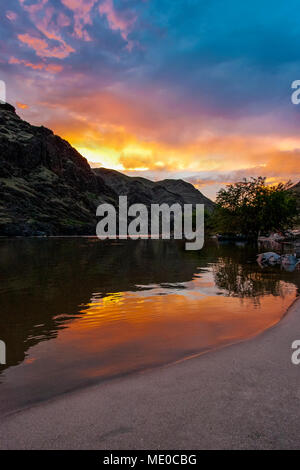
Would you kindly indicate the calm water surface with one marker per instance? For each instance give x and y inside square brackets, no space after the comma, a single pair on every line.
[75,311]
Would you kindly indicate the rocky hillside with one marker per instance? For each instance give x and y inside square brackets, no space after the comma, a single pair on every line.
[144,191]
[48,188]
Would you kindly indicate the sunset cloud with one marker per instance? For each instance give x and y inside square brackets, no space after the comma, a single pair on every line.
[118,21]
[82,16]
[21,105]
[112,132]
[47,22]
[52,68]
[43,49]
[190,101]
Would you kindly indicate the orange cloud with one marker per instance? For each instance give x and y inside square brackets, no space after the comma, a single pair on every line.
[42,49]
[52,68]
[134,161]
[21,105]
[126,151]
[127,134]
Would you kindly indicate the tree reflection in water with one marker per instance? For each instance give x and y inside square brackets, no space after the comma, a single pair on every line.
[238,275]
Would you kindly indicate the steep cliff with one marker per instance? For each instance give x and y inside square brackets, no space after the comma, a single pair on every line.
[46,186]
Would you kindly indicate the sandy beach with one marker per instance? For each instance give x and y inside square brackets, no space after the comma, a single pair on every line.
[244,396]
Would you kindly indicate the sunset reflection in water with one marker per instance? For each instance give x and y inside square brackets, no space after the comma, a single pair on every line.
[85,310]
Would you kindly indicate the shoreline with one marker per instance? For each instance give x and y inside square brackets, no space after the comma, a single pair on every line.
[140,370]
[241,396]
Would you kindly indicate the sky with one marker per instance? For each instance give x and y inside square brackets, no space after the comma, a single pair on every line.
[192,89]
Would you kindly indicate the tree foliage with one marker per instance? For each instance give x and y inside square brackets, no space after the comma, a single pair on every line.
[250,207]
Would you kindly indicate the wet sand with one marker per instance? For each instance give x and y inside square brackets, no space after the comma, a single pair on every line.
[244,396]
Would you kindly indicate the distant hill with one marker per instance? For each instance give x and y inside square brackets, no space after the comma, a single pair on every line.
[47,187]
[144,191]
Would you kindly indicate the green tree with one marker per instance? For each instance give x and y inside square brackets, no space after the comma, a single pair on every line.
[250,207]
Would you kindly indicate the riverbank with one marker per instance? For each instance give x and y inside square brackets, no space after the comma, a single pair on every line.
[244,396]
